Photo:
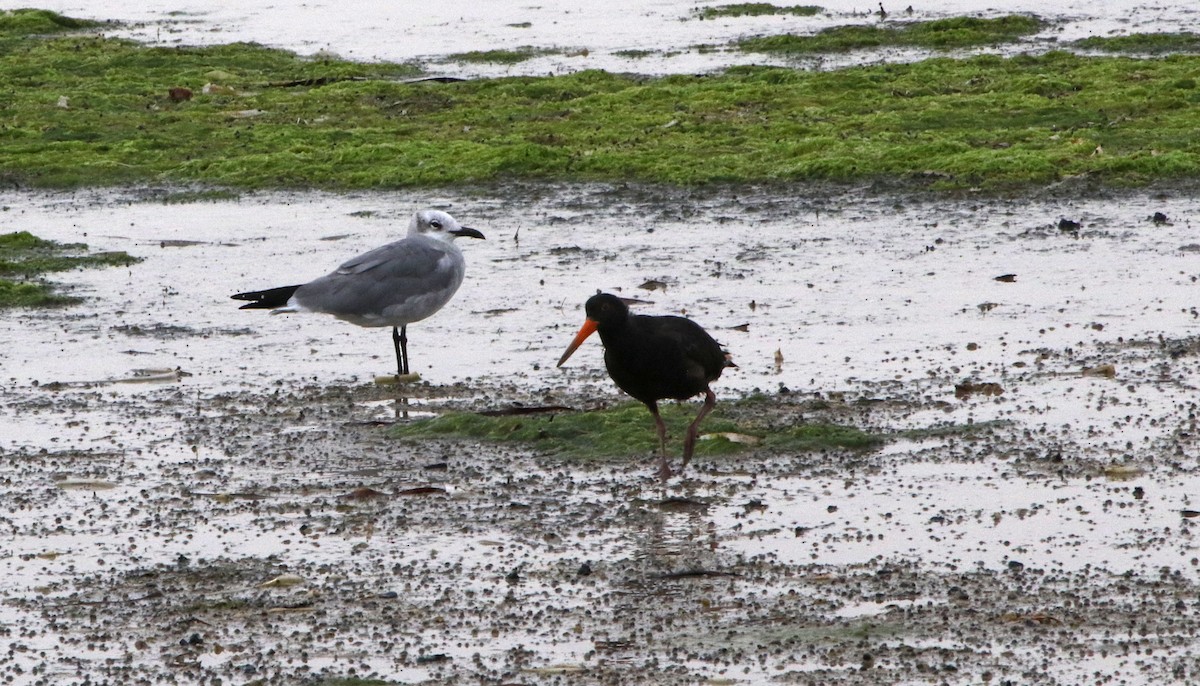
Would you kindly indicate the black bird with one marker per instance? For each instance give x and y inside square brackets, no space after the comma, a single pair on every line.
[653,359]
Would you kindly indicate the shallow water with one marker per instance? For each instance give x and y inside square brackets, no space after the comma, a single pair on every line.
[864,297]
[582,35]
[853,292]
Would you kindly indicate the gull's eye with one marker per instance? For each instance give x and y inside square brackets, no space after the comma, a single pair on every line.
[437,224]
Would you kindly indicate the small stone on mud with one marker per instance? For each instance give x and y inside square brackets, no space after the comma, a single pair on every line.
[85,485]
[966,389]
[431,659]
[422,490]
[282,581]
[554,669]
[362,494]
[675,504]
[1122,471]
[1106,371]
[732,437]
[394,379]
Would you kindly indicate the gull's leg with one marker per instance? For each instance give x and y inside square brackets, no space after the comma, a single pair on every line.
[400,341]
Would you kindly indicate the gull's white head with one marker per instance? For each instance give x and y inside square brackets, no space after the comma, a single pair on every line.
[439,225]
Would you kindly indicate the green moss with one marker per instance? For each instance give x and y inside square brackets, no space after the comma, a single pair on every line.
[822,436]
[208,195]
[498,56]
[627,429]
[26,257]
[985,122]
[23,254]
[25,294]
[756,9]
[1146,43]
[939,34]
[26,22]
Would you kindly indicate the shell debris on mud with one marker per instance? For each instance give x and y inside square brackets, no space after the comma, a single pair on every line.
[247,518]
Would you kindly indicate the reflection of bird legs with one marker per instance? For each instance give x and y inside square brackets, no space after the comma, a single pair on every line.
[400,340]
[664,469]
[400,404]
[689,442]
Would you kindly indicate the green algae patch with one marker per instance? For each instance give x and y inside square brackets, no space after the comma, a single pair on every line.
[498,56]
[1143,43]
[25,294]
[822,436]
[756,9]
[29,22]
[24,258]
[91,111]
[628,429]
[938,34]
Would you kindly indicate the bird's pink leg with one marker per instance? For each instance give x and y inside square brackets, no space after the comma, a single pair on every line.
[664,469]
[689,441]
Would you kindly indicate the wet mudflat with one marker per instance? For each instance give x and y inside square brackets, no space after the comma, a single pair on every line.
[659,37]
[197,494]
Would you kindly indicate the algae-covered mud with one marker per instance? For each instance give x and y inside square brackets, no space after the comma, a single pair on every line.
[25,259]
[199,493]
[90,110]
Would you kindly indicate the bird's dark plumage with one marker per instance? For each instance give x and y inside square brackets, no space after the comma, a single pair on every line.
[653,359]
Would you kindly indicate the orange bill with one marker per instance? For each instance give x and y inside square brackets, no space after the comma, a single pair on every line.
[588,328]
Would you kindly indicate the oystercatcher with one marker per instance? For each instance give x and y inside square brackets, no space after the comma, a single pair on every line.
[653,359]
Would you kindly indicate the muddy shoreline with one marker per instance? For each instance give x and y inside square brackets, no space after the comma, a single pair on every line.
[249,520]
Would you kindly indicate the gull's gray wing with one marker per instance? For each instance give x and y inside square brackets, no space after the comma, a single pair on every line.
[392,285]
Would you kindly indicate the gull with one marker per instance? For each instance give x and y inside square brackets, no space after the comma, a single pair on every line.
[393,285]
